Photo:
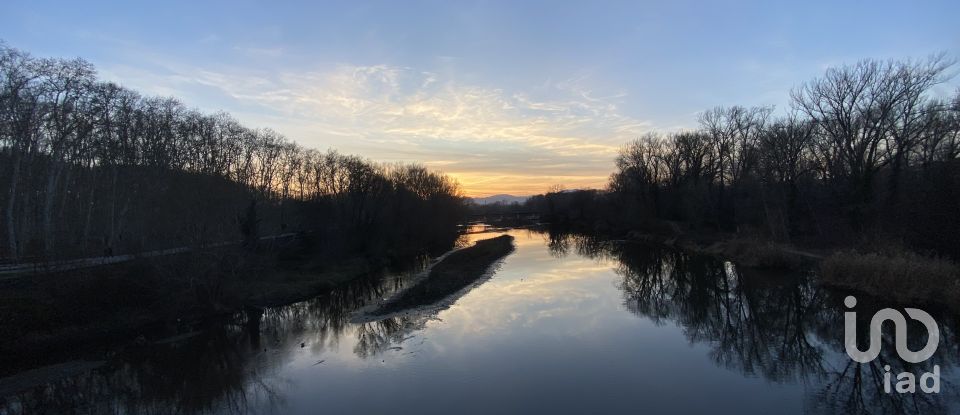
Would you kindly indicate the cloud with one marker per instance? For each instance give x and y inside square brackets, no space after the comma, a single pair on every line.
[492,140]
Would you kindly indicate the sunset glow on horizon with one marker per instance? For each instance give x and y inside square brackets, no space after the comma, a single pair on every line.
[507,98]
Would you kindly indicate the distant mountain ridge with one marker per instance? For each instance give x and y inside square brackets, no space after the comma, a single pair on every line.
[501,198]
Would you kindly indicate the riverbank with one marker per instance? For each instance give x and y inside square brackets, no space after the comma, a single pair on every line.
[894,273]
[747,252]
[52,317]
[454,273]
[903,275]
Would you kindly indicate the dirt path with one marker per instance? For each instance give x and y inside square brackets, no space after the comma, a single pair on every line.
[14,271]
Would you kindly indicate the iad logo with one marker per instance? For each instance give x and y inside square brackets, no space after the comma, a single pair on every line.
[906,381]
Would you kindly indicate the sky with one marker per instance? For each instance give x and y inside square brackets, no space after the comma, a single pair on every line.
[506,96]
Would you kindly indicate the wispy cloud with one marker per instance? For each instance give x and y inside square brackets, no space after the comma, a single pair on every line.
[492,140]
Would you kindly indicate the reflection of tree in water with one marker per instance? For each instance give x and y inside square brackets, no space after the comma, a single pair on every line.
[323,320]
[229,367]
[858,388]
[559,244]
[783,328]
[754,329]
[850,387]
[212,372]
[377,337]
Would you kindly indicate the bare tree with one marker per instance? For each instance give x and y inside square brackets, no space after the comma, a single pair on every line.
[94,164]
[859,108]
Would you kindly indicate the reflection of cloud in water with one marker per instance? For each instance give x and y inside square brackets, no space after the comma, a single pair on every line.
[561,310]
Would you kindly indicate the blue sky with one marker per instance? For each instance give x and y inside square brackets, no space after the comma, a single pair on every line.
[508,96]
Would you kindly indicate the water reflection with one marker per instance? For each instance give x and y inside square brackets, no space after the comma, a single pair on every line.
[782,328]
[212,372]
[547,333]
[224,367]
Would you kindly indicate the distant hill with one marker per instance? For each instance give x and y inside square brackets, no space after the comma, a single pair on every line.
[499,198]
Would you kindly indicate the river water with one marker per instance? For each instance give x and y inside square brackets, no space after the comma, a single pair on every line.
[565,324]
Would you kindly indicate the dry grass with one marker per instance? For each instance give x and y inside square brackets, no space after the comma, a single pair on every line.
[753,253]
[902,275]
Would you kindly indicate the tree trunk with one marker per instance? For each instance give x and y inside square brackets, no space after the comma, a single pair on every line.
[11,205]
[48,207]
[90,206]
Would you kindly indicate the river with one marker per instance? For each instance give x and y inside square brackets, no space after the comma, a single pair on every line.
[566,324]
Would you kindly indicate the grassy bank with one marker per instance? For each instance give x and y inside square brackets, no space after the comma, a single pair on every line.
[455,272]
[750,252]
[894,273]
[902,275]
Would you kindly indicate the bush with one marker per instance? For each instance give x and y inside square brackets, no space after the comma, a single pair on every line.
[903,275]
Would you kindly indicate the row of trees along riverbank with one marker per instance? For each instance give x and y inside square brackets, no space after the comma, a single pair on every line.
[866,155]
[90,168]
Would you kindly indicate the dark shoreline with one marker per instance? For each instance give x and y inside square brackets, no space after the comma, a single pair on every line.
[910,277]
[267,283]
[751,253]
[462,267]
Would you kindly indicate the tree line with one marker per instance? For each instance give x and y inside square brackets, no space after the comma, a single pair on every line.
[90,167]
[864,153]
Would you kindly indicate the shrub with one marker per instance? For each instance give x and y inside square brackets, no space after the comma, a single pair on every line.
[904,275]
